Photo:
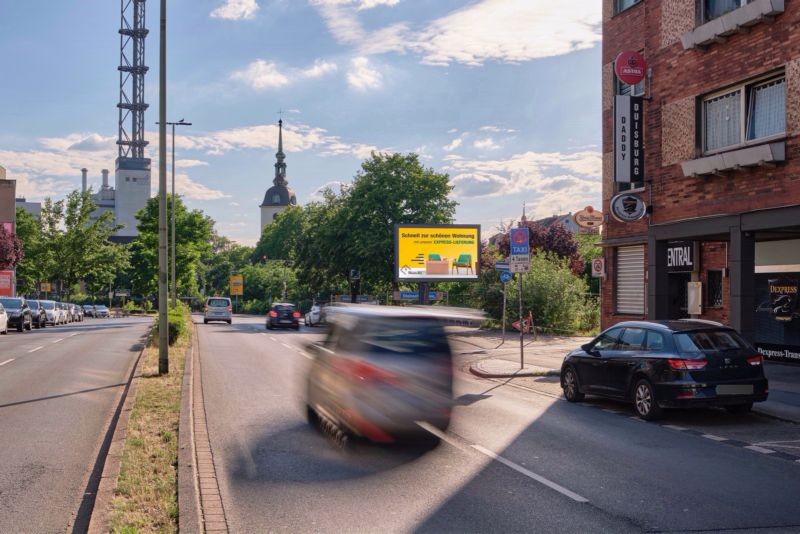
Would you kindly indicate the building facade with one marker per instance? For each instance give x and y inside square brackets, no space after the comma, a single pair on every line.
[719,233]
[280,196]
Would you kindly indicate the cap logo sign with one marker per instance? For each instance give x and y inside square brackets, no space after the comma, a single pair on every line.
[630,67]
[628,207]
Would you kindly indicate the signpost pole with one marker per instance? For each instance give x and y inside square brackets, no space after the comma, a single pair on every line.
[521,327]
[504,313]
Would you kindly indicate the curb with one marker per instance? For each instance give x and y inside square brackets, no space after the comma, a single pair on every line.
[477,371]
[189,514]
[100,513]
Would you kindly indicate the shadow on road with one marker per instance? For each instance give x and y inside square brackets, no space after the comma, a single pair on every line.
[50,397]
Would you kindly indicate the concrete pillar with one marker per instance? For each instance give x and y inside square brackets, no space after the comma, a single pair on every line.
[742,281]
[84,172]
[657,281]
[105,178]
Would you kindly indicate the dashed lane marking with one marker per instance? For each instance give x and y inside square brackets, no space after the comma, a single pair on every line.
[675,427]
[760,449]
[7,361]
[288,346]
[57,340]
[34,350]
[714,438]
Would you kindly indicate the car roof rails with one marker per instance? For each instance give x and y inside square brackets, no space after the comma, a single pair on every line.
[704,321]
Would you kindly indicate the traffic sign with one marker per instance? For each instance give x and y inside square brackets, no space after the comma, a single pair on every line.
[506,277]
[237,285]
[501,265]
[520,267]
[520,240]
[355,274]
[598,268]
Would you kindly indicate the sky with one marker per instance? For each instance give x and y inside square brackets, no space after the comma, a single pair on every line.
[502,95]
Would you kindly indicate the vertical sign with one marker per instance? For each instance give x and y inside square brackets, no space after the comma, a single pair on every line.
[628,137]
[237,285]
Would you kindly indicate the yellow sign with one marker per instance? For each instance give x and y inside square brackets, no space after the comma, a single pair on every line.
[237,284]
[437,252]
[44,287]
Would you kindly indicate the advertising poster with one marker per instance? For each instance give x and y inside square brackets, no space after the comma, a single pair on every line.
[6,283]
[237,285]
[437,252]
[783,298]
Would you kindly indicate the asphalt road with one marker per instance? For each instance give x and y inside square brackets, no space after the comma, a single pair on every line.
[58,391]
[513,460]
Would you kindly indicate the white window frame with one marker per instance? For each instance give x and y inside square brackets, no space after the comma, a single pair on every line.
[746,90]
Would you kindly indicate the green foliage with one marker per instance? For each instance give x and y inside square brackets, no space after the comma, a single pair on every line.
[224,259]
[176,323]
[281,239]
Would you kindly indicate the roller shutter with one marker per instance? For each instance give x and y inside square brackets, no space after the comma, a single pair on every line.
[630,280]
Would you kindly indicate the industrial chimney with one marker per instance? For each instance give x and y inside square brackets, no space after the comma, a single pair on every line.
[105,178]
[83,179]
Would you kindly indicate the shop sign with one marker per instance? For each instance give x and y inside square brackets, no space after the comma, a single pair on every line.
[779,353]
[783,298]
[588,217]
[628,207]
[628,139]
[630,67]
[680,257]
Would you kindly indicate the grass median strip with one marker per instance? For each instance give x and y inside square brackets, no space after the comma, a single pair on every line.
[146,494]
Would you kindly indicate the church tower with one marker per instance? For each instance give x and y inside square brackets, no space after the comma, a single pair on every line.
[280,195]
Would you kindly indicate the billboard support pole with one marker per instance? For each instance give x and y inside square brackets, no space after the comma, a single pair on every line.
[521,325]
[423,293]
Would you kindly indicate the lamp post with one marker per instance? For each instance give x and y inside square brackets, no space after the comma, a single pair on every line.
[174,286]
[163,340]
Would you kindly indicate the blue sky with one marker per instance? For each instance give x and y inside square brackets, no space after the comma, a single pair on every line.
[503,95]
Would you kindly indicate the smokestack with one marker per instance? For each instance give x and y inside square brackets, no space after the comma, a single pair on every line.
[83,179]
[105,178]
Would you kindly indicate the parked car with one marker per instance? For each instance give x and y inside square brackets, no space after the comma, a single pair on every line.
[63,313]
[379,371]
[101,311]
[314,315]
[667,364]
[283,315]
[38,313]
[3,320]
[51,312]
[218,309]
[88,310]
[78,312]
[19,313]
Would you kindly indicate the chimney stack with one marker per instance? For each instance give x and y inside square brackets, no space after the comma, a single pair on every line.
[105,178]
[83,179]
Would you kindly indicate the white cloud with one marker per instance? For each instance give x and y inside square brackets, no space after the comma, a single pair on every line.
[358,4]
[361,76]
[486,144]
[186,163]
[188,188]
[236,10]
[335,186]
[261,74]
[320,68]
[496,129]
[454,144]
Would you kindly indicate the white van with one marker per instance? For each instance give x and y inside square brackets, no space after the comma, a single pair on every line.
[218,309]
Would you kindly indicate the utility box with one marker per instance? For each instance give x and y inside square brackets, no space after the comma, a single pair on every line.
[694,293]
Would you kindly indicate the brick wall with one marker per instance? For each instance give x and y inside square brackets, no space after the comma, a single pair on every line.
[713,257]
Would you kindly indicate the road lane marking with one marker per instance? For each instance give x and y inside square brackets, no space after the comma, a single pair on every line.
[714,438]
[675,427]
[57,340]
[273,338]
[530,474]
[441,435]
[760,449]
[74,334]
[7,361]
[300,352]
[288,346]
[34,350]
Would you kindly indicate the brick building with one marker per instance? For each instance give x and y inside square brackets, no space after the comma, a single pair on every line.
[721,184]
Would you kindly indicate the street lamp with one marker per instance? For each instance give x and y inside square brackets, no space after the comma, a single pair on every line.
[174,286]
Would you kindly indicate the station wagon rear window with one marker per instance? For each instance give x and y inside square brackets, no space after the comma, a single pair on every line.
[218,303]
[709,341]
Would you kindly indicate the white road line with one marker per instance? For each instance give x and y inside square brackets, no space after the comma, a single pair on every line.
[760,449]
[441,435]
[34,350]
[7,361]
[637,418]
[610,411]
[288,346]
[57,340]
[300,352]
[273,338]
[530,474]
[74,334]
[714,438]
[675,427]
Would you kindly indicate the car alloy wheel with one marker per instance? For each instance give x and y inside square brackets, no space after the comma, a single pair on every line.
[570,385]
[645,401]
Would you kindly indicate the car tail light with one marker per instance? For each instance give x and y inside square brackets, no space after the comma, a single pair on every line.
[755,360]
[273,313]
[688,394]
[205,308]
[687,365]
[296,314]
[365,371]
[230,308]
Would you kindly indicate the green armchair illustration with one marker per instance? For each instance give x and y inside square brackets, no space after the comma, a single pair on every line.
[464,261]
[436,264]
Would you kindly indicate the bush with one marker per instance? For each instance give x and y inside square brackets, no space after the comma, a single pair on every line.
[176,324]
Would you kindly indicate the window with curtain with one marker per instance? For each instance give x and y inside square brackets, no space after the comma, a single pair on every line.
[745,114]
[716,8]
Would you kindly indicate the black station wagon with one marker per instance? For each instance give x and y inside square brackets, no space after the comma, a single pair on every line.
[667,364]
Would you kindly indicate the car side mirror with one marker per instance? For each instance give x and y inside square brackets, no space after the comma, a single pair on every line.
[589,349]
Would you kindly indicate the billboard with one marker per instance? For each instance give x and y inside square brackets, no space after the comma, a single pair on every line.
[430,253]
[237,285]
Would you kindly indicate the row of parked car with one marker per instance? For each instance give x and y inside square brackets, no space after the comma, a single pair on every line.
[26,314]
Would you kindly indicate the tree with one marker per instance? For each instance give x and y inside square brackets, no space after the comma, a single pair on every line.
[225,258]
[11,252]
[555,238]
[281,238]
[194,232]
[31,269]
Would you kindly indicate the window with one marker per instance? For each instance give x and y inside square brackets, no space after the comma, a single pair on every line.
[744,114]
[630,280]
[714,289]
[276,199]
[622,5]
[607,340]
[632,339]
[712,9]
[655,341]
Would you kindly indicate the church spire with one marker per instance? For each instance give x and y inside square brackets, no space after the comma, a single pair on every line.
[280,164]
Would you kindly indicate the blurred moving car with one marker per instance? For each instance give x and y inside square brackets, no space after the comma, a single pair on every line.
[283,315]
[88,310]
[3,320]
[379,371]
[666,364]
[218,309]
[101,311]
[314,315]
[38,313]
[19,313]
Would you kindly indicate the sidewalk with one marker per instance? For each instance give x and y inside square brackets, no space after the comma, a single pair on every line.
[543,357]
